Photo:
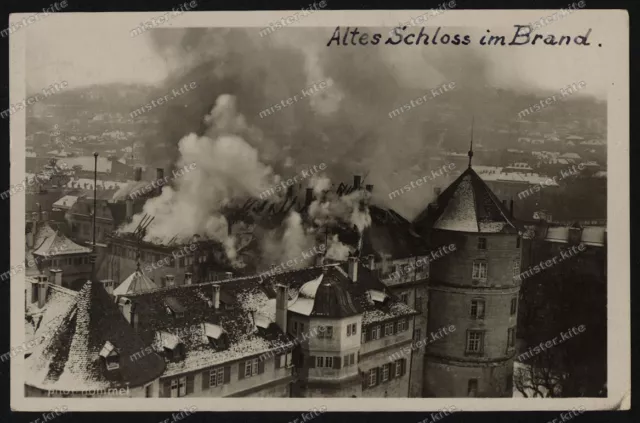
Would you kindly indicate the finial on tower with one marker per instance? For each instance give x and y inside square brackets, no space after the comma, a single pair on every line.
[470,154]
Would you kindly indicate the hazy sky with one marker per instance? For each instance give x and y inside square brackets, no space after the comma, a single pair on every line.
[97,48]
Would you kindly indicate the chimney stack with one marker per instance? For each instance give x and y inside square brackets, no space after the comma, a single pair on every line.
[353,269]
[188,278]
[282,306]
[129,204]
[216,296]
[56,276]
[170,280]
[357,179]
[159,176]
[372,261]
[228,275]
[308,197]
[42,290]
[320,259]
[138,174]
[45,215]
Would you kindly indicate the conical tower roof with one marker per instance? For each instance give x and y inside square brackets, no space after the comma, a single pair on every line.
[72,357]
[467,205]
[136,283]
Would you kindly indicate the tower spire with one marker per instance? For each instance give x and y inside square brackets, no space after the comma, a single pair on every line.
[470,154]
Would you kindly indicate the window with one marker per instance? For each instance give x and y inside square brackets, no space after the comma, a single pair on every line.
[472,388]
[417,334]
[402,325]
[319,361]
[295,328]
[404,297]
[181,262]
[511,337]
[479,270]
[514,305]
[385,373]
[516,268]
[301,327]
[518,242]
[475,339]
[352,359]
[388,329]
[352,329]
[477,309]
[482,243]
[148,391]
[247,368]
[216,377]
[174,388]
[418,304]
[345,361]
[328,362]
[182,386]
[254,369]
[398,367]
[375,332]
[373,377]
[325,332]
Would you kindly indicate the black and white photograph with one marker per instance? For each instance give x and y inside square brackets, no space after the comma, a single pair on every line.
[307,205]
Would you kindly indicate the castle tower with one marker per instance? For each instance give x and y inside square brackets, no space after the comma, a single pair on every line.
[473,291]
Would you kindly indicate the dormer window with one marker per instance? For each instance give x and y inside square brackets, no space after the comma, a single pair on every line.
[174,308]
[173,346]
[110,356]
[217,337]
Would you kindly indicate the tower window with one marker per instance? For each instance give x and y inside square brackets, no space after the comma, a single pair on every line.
[475,341]
[518,242]
[472,388]
[479,270]
[514,305]
[516,268]
[511,337]
[482,243]
[477,309]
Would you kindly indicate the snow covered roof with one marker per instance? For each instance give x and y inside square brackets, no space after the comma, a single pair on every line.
[56,244]
[65,202]
[468,205]
[70,359]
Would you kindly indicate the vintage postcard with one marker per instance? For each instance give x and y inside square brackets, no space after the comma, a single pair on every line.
[315,210]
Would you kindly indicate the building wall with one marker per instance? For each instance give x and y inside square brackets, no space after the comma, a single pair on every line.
[394,388]
[448,380]
[272,382]
[451,292]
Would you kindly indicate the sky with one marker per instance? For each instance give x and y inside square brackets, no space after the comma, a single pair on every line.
[86,49]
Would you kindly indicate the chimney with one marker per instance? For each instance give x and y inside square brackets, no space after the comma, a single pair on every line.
[169,280]
[353,269]
[372,261]
[129,204]
[308,197]
[108,285]
[216,296]
[45,215]
[228,275]
[42,290]
[369,187]
[159,176]
[357,179]
[138,174]
[320,259]
[56,276]
[188,278]
[282,306]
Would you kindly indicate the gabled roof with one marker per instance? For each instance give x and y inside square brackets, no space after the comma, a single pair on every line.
[467,205]
[70,358]
[135,283]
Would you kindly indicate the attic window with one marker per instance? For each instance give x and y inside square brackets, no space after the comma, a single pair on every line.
[110,355]
[173,346]
[173,307]
[217,336]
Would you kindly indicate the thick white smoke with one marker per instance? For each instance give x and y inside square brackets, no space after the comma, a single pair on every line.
[224,166]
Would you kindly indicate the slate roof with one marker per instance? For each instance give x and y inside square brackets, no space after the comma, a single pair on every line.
[467,205]
[70,358]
